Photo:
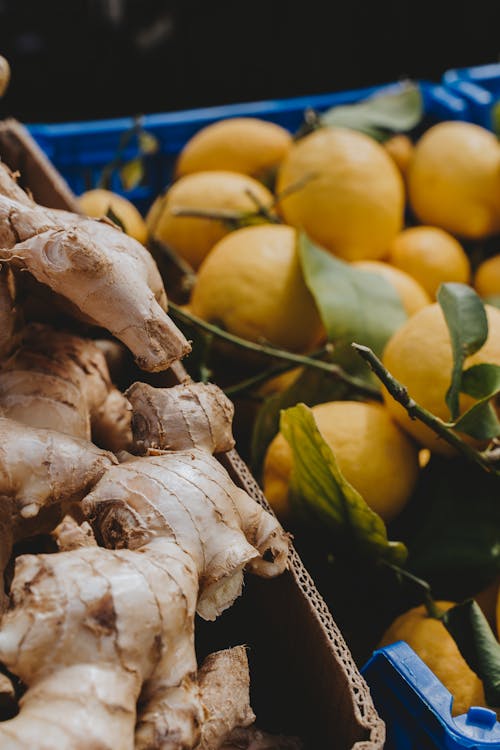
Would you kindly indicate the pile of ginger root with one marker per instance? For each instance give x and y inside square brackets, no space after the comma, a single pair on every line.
[146,527]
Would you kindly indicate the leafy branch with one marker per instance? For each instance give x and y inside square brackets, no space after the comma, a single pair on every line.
[488,459]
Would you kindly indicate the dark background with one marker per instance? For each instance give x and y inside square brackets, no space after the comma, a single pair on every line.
[83,59]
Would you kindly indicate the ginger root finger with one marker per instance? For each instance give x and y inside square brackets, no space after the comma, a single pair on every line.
[8,313]
[224,682]
[70,535]
[190,415]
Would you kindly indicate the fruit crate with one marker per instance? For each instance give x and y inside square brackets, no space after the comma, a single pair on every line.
[479,87]
[304,680]
[80,150]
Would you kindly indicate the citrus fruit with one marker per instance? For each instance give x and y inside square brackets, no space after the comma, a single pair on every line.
[344,190]
[239,144]
[430,640]
[191,237]
[487,279]
[419,356]
[251,284]
[431,255]
[413,296]
[400,149]
[373,454]
[454,179]
[98,202]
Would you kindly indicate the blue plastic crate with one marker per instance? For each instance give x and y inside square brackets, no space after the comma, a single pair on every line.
[416,706]
[479,87]
[80,150]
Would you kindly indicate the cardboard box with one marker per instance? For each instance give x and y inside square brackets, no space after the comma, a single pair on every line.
[304,680]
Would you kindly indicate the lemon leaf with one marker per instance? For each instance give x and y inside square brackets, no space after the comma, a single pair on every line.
[467,323]
[354,305]
[471,632]
[379,116]
[319,490]
[483,383]
[132,173]
[110,214]
[148,143]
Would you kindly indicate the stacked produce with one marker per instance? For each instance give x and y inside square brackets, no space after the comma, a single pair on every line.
[368,228]
[100,634]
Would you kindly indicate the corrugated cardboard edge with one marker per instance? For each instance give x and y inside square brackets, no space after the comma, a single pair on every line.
[43,179]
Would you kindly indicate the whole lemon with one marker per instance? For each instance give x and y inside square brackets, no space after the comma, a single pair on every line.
[218,192]
[251,284]
[430,640]
[487,279]
[344,190]
[454,179]
[419,355]
[432,256]
[413,296]
[98,202]
[373,454]
[239,144]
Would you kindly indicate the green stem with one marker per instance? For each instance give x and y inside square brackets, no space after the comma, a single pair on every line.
[117,161]
[485,459]
[430,605]
[271,351]
[187,272]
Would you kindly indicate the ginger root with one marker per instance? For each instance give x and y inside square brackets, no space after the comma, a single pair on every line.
[8,314]
[190,415]
[109,278]
[60,381]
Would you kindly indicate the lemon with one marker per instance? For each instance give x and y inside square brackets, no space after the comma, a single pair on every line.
[454,179]
[419,355]
[413,296]
[400,149]
[216,192]
[345,192]
[487,279]
[251,284]
[431,641]
[431,255]
[240,144]
[98,202]
[373,454]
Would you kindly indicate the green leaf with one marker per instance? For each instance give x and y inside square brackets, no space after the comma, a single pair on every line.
[354,305]
[495,116]
[453,521]
[311,387]
[131,174]
[148,143]
[380,116]
[110,214]
[469,628]
[482,382]
[467,323]
[319,490]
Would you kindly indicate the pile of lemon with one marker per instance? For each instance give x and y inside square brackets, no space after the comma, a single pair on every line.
[350,194]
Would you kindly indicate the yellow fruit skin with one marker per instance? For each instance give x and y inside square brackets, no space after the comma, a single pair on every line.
[240,144]
[419,356]
[400,149]
[193,238]
[373,454]
[454,179]
[413,296]
[431,641]
[352,196]
[487,281]
[251,284]
[97,203]
[431,256]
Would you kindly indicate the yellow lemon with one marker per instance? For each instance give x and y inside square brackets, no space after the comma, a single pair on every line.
[413,296]
[487,279]
[373,454]
[431,641]
[213,192]
[240,144]
[400,149]
[96,203]
[251,284]
[419,356]
[345,192]
[431,256]
[454,179]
